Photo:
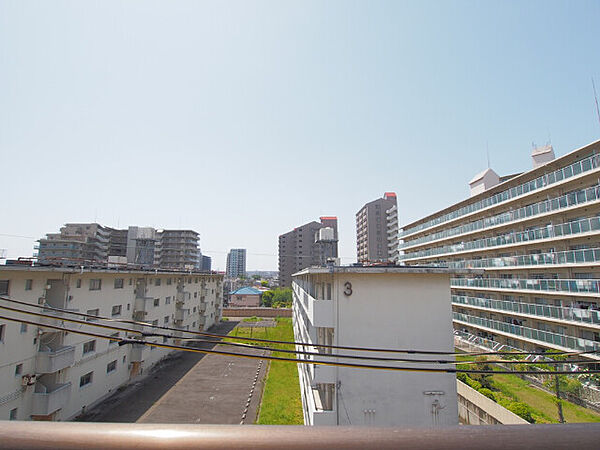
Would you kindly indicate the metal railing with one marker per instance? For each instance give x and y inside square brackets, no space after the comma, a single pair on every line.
[582,256]
[572,314]
[562,340]
[585,165]
[44,435]
[551,231]
[562,285]
[579,197]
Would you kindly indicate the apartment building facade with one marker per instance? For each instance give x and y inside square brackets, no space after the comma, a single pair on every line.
[376,307]
[301,248]
[76,243]
[536,236]
[377,230]
[236,263]
[50,374]
[177,249]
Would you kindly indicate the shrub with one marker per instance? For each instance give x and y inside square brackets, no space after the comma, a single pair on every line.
[488,393]
[522,410]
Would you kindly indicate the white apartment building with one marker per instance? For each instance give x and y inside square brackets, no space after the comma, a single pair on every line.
[536,235]
[48,374]
[377,230]
[377,307]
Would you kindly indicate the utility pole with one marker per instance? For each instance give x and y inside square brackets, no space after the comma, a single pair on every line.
[561,418]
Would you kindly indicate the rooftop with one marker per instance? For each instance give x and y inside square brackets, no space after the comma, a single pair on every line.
[246,291]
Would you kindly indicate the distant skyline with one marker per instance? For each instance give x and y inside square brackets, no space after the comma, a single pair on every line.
[244,119]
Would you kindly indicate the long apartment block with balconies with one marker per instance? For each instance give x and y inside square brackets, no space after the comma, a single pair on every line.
[536,235]
[50,372]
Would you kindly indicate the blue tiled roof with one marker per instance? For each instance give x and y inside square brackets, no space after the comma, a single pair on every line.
[247,291]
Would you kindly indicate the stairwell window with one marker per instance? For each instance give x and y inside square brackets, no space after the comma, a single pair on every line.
[95,284]
[89,347]
[119,283]
[86,379]
[28,284]
[3,287]
[111,366]
[116,310]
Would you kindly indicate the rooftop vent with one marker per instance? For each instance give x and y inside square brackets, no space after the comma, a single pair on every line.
[483,181]
[542,155]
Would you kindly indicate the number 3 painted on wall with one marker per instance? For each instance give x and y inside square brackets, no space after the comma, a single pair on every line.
[347,289]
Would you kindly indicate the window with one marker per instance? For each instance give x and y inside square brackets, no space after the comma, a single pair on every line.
[3,287]
[194,325]
[194,310]
[124,359]
[155,323]
[195,295]
[166,319]
[92,312]
[169,281]
[119,283]
[116,310]
[78,283]
[157,302]
[89,346]
[28,284]
[18,369]
[157,282]
[2,327]
[13,414]
[128,306]
[86,379]
[23,328]
[95,284]
[111,366]
[167,300]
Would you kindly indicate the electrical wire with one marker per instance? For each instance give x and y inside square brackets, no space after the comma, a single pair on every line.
[301,352]
[303,361]
[297,343]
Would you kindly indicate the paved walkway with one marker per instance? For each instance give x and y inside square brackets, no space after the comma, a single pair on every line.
[217,390]
[129,404]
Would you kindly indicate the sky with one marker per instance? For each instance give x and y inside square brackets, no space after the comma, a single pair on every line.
[244,119]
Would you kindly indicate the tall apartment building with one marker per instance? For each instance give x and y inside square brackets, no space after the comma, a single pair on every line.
[236,263]
[377,230]
[76,243]
[206,263]
[536,236]
[50,374]
[177,249]
[377,307]
[300,248]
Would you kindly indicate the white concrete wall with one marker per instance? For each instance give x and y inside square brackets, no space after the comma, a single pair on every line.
[18,347]
[385,310]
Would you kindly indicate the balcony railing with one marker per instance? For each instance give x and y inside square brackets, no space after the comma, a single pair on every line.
[551,231]
[585,165]
[579,315]
[569,200]
[44,435]
[54,360]
[46,401]
[583,256]
[562,340]
[563,285]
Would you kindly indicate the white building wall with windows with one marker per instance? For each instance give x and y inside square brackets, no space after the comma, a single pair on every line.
[381,307]
[73,372]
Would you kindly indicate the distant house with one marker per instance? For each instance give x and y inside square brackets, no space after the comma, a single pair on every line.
[244,297]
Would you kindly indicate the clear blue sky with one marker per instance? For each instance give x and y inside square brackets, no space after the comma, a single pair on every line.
[243,119]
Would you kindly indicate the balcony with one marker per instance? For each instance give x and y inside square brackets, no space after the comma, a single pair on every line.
[580,167]
[586,288]
[54,360]
[584,257]
[142,304]
[568,201]
[57,317]
[576,228]
[49,400]
[181,314]
[137,353]
[562,341]
[555,313]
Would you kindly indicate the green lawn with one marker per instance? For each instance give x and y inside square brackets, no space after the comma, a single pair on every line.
[543,405]
[281,403]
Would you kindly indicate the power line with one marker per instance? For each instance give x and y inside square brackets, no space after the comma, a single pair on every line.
[303,361]
[296,343]
[329,355]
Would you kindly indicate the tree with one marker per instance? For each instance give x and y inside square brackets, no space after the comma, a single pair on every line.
[256,277]
[264,283]
[267,298]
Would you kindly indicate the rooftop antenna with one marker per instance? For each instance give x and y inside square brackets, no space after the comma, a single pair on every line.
[596,99]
